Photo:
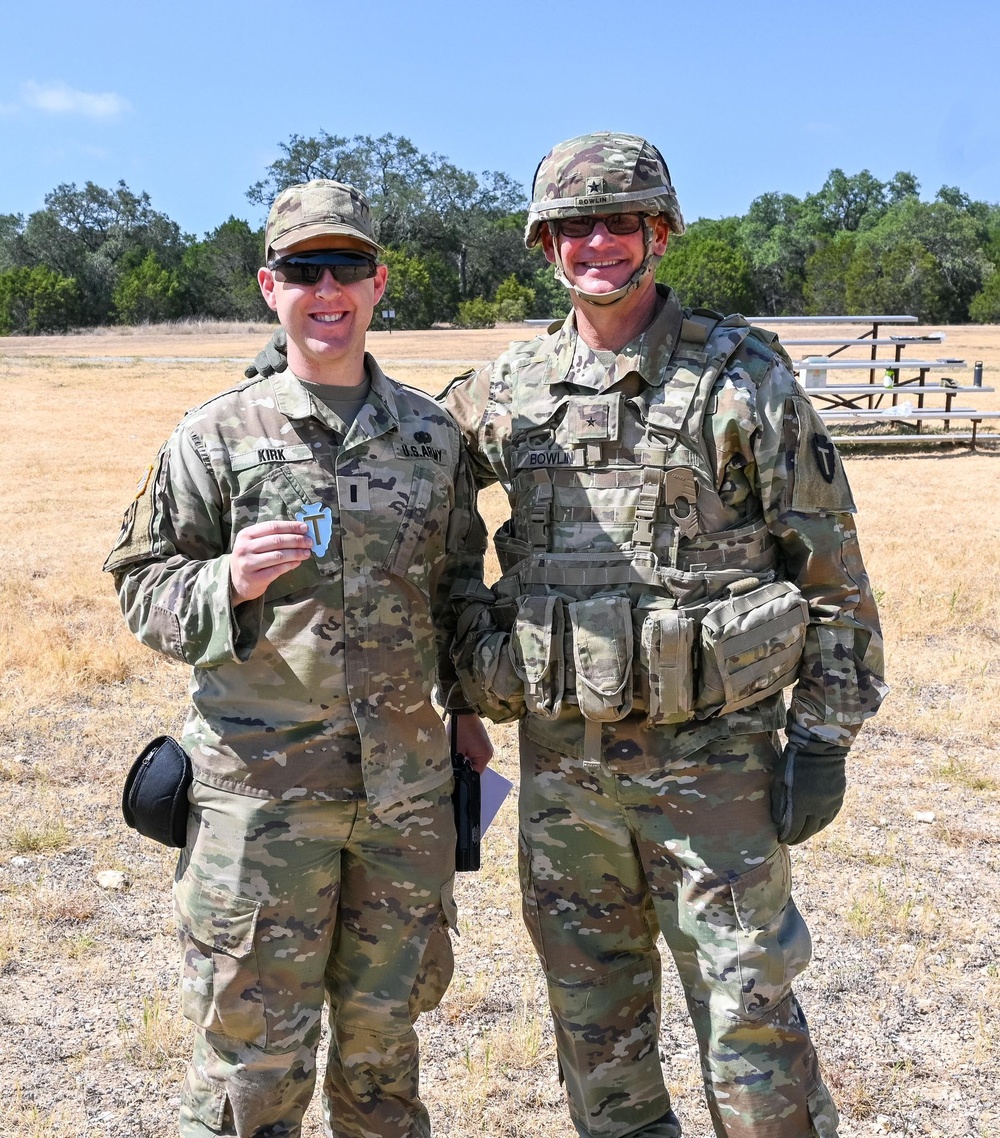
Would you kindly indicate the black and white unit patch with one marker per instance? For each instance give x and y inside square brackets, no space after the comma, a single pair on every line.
[826,456]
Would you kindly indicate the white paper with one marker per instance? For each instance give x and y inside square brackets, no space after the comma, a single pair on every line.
[493,789]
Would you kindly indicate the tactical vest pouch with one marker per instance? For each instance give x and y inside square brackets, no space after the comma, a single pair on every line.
[489,680]
[509,549]
[751,647]
[602,653]
[537,653]
[666,662]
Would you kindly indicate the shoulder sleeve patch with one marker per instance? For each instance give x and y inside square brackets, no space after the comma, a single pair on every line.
[135,541]
[818,481]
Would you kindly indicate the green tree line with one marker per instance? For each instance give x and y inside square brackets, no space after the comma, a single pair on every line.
[453,244]
[858,245]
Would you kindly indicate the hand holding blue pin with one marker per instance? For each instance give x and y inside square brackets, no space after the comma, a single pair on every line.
[319,519]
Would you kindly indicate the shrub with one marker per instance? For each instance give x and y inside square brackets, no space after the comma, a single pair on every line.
[985,305]
[37,300]
[477,313]
[513,300]
[147,294]
[410,292]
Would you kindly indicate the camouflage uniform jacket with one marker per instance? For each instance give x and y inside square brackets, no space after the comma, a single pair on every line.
[321,688]
[689,471]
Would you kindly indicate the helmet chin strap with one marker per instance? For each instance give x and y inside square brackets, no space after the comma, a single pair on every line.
[602,299]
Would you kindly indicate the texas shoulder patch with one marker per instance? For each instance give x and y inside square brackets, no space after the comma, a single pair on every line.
[826,455]
[817,482]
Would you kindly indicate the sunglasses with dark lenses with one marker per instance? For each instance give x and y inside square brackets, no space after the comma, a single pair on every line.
[620,224]
[307,268]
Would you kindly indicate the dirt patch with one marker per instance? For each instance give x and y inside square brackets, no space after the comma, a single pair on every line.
[904,992]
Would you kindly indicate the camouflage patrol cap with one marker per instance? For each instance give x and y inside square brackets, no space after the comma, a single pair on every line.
[319,208]
[601,173]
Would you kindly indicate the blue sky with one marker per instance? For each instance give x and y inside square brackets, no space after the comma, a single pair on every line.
[189,101]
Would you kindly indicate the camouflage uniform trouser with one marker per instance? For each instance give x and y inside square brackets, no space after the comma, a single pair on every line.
[282,905]
[608,860]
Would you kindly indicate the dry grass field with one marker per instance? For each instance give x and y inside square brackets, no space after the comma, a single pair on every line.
[904,992]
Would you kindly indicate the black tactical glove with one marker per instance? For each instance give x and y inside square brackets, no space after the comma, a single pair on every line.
[808,788]
[272,358]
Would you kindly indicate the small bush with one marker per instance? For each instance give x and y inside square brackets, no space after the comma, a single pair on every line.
[36,300]
[985,305]
[477,313]
[147,294]
[513,300]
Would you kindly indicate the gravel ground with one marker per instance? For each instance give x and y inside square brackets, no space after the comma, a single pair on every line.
[902,995]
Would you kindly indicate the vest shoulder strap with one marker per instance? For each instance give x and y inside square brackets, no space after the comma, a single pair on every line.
[698,324]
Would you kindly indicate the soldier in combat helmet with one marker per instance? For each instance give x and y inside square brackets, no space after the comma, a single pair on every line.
[681,551]
[296,543]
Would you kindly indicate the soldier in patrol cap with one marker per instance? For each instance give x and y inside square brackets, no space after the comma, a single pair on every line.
[296,541]
[681,552]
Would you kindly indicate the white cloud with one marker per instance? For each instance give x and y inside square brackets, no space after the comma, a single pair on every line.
[61,99]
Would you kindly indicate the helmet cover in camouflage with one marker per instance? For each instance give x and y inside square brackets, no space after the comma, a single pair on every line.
[321,208]
[601,173]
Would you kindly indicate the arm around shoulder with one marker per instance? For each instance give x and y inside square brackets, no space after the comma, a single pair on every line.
[471,400]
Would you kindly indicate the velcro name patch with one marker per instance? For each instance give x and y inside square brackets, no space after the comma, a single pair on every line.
[541,458]
[266,456]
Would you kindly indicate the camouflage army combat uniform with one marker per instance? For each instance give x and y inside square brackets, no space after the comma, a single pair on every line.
[680,551]
[321,839]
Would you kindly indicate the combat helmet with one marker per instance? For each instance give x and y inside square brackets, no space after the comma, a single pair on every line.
[603,173]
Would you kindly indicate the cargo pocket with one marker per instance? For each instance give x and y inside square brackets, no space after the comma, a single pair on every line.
[666,666]
[751,647]
[773,942]
[822,1113]
[136,541]
[537,651]
[437,965]
[220,979]
[204,1099]
[529,899]
[602,654]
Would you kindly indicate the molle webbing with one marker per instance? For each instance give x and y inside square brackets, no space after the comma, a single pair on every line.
[645,510]
[750,640]
[575,570]
[541,512]
[694,334]
[607,478]
[677,410]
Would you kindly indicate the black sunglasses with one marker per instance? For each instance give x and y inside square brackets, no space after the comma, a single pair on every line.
[620,224]
[347,266]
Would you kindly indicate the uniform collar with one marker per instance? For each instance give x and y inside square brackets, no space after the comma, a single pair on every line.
[648,354]
[378,416]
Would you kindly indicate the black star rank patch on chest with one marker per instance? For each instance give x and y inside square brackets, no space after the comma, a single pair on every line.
[826,456]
